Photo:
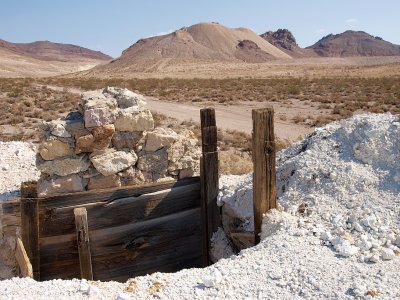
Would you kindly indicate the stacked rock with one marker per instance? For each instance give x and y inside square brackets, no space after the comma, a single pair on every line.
[111,142]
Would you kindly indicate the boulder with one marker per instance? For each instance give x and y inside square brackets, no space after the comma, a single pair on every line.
[97,99]
[130,119]
[184,154]
[153,164]
[60,185]
[57,128]
[127,140]
[189,172]
[52,149]
[131,176]
[111,161]
[74,123]
[89,173]
[98,117]
[99,139]
[125,98]
[64,166]
[160,138]
[103,182]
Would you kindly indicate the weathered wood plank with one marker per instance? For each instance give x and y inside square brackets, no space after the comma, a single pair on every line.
[209,180]
[59,221]
[23,260]
[59,257]
[83,241]
[132,249]
[30,225]
[82,198]
[242,240]
[264,177]
[29,189]
[10,218]
[209,139]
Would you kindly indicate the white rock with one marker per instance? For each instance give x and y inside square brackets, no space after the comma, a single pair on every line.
[358,227]
[369,221]
[59,130]
[123,296]
[374,258]
[213,278]
[132,120]
[344,248]
[387,254]
[110,162]
[364,245]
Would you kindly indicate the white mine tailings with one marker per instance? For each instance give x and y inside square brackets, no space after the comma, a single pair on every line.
[336,234]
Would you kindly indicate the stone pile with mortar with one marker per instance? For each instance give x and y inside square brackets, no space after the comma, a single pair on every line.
[111,142]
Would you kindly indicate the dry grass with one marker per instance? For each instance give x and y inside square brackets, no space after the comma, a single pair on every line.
[24,104]
[343,95]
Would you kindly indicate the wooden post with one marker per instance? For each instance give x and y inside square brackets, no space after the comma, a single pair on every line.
[82,236]
[23,260]
[209,180]
[264,177]
[30,224]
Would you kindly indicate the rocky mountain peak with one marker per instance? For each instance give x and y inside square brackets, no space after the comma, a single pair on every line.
[281,38]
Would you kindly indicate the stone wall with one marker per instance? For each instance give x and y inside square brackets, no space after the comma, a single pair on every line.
[111,142]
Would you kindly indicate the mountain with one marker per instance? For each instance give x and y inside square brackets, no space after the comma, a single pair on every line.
[45,50]
[199,42]
[354,43]
[45,58]
[284,40]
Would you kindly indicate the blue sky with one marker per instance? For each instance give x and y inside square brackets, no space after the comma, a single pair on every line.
[112,26]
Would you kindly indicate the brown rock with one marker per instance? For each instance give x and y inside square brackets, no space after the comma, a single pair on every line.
[104,182]
[60,185]
[99,139]
[52,149]
[127,140]
[131,176]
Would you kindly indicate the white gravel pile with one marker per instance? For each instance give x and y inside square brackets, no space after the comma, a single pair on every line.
[335,236]
[17,164]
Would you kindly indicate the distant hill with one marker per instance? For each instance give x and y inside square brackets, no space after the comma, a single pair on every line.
[45,50]
[284,40]
[199,42]
[45,58]
[354,43]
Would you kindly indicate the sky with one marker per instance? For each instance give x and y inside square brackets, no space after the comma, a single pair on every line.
[112,26]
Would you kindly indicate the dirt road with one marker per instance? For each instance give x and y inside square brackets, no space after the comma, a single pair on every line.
[237,117]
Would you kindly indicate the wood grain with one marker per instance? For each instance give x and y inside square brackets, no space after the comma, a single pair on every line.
[30,232]
[83,241]
[108,195]
[23,260]
[264,177]
[209,180]
[59,221]
[167,244]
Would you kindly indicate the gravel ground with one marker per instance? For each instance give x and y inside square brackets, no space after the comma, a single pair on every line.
[17,164]
[334,236]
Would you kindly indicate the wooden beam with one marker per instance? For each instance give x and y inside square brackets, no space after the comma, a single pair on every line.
[211,216]
[82,236]
[59,221]
[264,177]
[30,224]
[23,260]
